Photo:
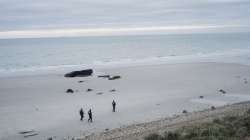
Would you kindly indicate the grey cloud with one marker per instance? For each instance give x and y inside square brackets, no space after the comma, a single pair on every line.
[42,14]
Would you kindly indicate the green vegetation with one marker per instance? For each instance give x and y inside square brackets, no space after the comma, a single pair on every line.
[227,128]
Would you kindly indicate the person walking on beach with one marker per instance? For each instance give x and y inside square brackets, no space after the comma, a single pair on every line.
[90,116]
[81,113]
[113,104]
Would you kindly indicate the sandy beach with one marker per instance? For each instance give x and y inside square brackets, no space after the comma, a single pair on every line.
[39,103]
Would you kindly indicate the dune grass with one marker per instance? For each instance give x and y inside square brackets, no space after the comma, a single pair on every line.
[227,128]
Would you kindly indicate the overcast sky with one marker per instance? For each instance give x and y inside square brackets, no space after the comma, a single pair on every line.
[47,16]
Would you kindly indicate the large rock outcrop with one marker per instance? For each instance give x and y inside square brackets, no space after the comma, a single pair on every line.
[82,73]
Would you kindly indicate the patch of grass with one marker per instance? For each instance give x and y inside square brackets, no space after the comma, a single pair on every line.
[227,128]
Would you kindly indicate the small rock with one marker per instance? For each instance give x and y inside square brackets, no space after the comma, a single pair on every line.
[222,91]
[50,138]
[31,135]
[184,111]
[103,76]
[70,91]
[201,97]
[106,129]
[26,132]
[80,81]
[213,108]
[89,89]
[245,81]
[112,90]
[99,93]
[115,77]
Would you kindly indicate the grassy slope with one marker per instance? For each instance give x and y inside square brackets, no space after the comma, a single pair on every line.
[227,128]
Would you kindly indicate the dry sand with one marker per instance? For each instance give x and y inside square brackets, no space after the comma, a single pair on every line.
[39,103]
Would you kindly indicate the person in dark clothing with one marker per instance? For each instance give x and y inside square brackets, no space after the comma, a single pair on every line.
[90,116]
[113,104]
[81,113]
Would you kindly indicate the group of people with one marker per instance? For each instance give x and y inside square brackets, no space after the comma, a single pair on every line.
[81,112]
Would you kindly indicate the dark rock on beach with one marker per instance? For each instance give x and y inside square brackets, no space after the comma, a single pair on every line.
[245,80]
[99,93]
[89,89]
[80,81]
[112,90]
[222,91]
[114,77]
[70,91]
[103,76]
[201,97]
[213,108]
[30,135]
[82,73]
[26,132]
[184,111]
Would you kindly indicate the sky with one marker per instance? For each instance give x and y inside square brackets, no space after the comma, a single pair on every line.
[53,18]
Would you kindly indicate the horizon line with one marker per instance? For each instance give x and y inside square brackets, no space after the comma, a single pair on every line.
[115,31]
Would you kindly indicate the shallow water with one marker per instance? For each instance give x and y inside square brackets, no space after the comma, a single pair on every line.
[44,53]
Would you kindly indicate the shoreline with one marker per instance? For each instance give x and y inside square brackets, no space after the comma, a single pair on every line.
[235,56]
[143,94]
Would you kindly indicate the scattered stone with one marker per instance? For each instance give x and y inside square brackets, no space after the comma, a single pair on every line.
[26,132]
[106,129]
[80,81]
[50,138]
[184,111]
[89,89]
[99,93]
[26,136]
[115,77]
[201,97]
[112,90]
[245,80]
[82,73]
[222,91]
[70,91]
[103,76]
[213,108]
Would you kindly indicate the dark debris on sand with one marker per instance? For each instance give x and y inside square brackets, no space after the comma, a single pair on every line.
[69,91]
[222,91]
[89,89]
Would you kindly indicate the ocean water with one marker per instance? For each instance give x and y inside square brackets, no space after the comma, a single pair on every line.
[43,53]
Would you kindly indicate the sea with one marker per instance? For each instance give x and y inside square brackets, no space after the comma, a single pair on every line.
[34,54]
